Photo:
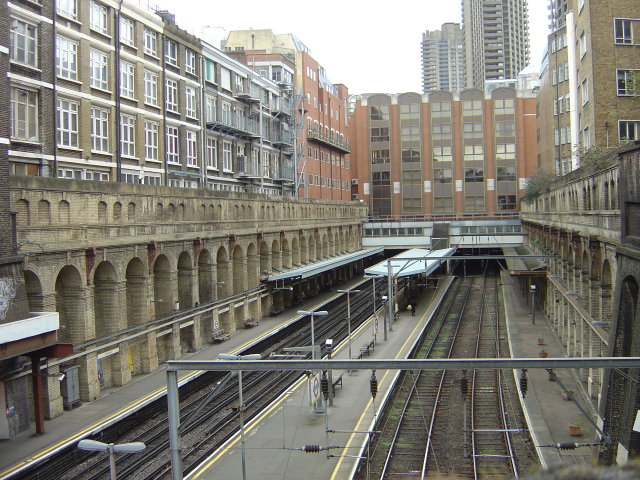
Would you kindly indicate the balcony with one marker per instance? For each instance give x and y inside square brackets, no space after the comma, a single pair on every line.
[246,168]
[282,137]
[235,124]
[250,94]
[282,107]
[316,135]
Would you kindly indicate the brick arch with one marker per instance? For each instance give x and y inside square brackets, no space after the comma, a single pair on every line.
[205,277]
[304,250]
[33,286]
[264,258]
[295,248]
[286,253]
[163,293]
[23,216]
[237,259]
[117,212]
[253,266]
[44,212]
[312,248]
[64,212]
[222,272]
[71,306]
[185,281]
[276,257]
[136,288]
[325,246]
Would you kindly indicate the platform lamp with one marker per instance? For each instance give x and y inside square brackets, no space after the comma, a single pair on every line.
[112,448]
[348,293]
[253,356]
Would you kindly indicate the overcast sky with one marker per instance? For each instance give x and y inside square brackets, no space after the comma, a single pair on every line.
[369,46]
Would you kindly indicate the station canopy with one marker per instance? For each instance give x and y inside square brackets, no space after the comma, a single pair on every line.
[412,262]
[322,266]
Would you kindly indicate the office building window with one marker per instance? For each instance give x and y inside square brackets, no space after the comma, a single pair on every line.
[473,152]
[472,107]
[99,130]
[151,141]
[507,202]
[24,43]
[442,204]
[409,111]
[24,114]
[380,134]
[442,154]
[127,31]
[67,8]
[628,82]
[506,174]
[212,153]
[226,157]
[171,53]
[98,69]
[472,130]
[210,106]
[504,106]
[127,79]
[150,42]
[98,17]
[623,31]
[67,123]
[66,58]
[474,175]
[190,102]
[505,151]
[441,131]
[209,71]
[192,149]
[128,135]
[585,91]
[171,92]
[190,61]
[505,129]
[583,44]
[150,88]
[172,147]
[473,203]
[379,112]
[442,175]
[629,130]
[441,109]
[411,155]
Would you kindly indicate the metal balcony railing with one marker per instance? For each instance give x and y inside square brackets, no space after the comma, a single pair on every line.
[331,141]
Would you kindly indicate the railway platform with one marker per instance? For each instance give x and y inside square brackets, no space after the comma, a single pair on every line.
[275,439]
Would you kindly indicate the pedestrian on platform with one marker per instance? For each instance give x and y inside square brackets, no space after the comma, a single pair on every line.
[409,308]
[413,309]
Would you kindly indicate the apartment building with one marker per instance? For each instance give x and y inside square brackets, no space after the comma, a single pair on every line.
[110,91]
[496,39]
[588,96]
[443,60]
[467,153]
[323,160]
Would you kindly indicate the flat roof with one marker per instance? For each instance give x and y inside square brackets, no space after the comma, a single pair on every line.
[405,263]
[517,265]
[325,265]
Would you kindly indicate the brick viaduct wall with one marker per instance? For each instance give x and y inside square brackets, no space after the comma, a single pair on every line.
[119,260]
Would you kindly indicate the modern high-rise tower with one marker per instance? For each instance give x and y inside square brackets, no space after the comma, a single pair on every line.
[443,65]
[496,37]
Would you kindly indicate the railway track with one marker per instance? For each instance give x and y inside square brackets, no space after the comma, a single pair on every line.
[448,423]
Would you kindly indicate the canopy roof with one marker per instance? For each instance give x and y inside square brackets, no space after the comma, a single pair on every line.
[401,266]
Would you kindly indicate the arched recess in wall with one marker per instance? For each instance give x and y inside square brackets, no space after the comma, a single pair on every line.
[606,289]
[276,257]
[286,254]
[44,212]
[304,250]
[185,281]
[71,306]
[312,248]
[137,293]
[23,218]
[264,258]
[33,287]
[325,246]
[205,277]
[295,251]
[105,300]
[584,280]
[596,278]
[163,294]
[222,273]
[64,212]
[238,270]
[253,266]
[623,383]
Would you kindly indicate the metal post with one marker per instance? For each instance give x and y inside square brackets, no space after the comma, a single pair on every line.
[348,293]
[533,304]
[174,424]
[244,463]
[112,462]
[313,340]
[390,294]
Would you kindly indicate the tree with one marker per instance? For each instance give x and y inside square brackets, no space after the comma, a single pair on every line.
[538,184]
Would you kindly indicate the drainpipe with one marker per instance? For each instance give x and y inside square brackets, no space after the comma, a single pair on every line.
[54,82]
[164,110]
[117,94]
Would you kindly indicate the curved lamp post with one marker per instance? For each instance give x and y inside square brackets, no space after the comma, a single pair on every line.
[112,448]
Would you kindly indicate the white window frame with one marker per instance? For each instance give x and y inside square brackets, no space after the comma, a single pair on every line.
[67,131]
[67,8]
[66,58]
[98,18]
[210,106]
[98,69]
[24,114]
[212,153]
[24,42]
[171,53]
[151,141]
[629,124]
[127,79]
[99,130]
[151,88]
[172,146]
[127,31]
[584,86]
[191,102]
[171,95]
[190,61]
[227,162]
[150,42]
[583,44]
[625,92]
[621,37]
[127,135]
[192,148]
[226,113]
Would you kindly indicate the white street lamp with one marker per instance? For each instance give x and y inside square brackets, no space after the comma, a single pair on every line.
[253,356]
[349,292]
[319,313]
[112,448]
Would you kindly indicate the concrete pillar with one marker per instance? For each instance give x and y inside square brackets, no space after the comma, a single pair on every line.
[120,370]
[239,275]
[187,287]
[276,260]
[149,353]
[253,271]
[53,405]
[88,377]
[172,345]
